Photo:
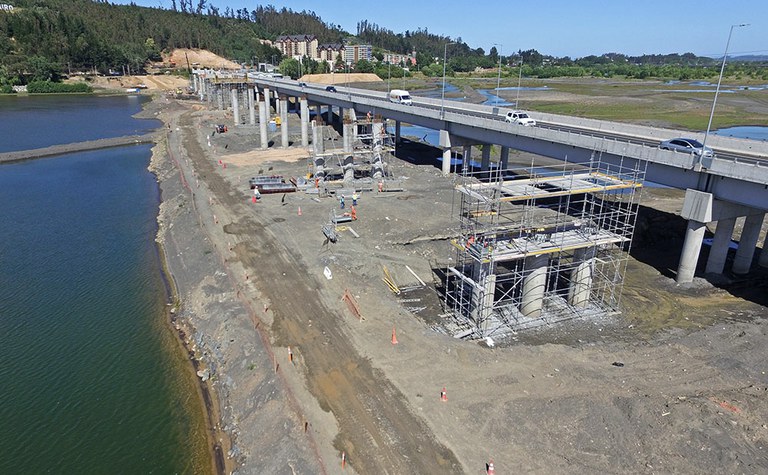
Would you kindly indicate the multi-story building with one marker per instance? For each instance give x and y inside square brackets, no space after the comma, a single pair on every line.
[354,53]
[406,59]
[297,45]
[330,51]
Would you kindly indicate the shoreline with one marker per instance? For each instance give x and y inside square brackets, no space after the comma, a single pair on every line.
[208,398]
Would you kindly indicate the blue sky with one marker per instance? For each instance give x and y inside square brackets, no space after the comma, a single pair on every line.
[572,28]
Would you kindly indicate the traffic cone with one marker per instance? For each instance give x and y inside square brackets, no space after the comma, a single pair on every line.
[290,355]
[443,395]
[253,199]
[343,460]
[299,210]
[394,336]
[490,470]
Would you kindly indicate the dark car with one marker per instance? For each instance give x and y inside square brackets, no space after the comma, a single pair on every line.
[303,84]
[330,89]
[686,146]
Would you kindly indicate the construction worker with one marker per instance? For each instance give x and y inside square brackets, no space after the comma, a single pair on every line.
[341,201]
[354,199]
[368,115]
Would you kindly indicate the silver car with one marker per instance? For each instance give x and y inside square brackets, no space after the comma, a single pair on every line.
[686,146]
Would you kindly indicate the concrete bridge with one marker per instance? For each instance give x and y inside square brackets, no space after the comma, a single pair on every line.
[730,186]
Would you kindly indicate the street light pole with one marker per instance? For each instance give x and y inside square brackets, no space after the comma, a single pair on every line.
[389,73]
[442,97]
[519,81]
[717,90]
[498,79]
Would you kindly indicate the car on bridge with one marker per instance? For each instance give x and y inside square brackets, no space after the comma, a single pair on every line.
[330,89]
[685,145]
[519,118]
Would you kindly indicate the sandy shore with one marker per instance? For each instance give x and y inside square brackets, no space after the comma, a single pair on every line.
[296,381]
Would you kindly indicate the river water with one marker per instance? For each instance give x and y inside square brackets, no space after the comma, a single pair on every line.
[92,378]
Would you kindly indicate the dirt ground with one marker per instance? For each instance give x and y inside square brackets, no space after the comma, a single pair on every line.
[676,384]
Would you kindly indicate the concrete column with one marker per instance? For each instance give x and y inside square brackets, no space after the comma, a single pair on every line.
[749,236]
[377,165]
[283,121]
[689,256]
[219,98]
[304,121]
[268,99]
[397,131]
[763,260]
[534,286]
[581,277]
[318,144]
[718,253]
[348,137]
[251,105]
[504,159]
[263,119]
[445,143]
[235,107]
[486,163]
[194,83]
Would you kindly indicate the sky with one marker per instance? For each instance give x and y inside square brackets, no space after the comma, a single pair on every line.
[574,28]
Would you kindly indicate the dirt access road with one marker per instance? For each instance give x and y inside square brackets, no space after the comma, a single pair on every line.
[373,416]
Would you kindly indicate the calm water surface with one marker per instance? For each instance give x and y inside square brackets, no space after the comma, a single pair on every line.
[92,380]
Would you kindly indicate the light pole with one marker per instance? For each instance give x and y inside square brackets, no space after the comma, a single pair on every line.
[498,79]
[389,73]
[442,97]
[519,81]
[717,91]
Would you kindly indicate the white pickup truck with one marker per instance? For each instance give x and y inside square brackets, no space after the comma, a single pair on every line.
[519,118]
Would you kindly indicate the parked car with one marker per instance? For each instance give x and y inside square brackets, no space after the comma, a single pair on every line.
[686,146]
[330,89]
[519,118]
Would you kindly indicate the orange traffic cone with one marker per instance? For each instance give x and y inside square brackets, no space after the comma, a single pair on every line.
[443,395]
[343,460]
[394,336]
[490,470]
[299,210]
[253,199]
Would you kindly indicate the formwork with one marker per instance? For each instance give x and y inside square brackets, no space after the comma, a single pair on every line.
[539,245]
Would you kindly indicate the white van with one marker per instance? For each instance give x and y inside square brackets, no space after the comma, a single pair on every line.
[400,96]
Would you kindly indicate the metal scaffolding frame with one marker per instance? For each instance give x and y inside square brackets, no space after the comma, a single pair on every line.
[538,245]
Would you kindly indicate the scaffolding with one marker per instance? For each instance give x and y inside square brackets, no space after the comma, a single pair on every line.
[539,245]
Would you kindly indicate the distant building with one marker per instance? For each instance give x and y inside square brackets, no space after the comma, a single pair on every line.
[354,53]
[297,45]
[406,59]
[330,51]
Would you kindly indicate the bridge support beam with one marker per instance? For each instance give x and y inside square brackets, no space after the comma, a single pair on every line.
[689,256]
[581,278]
[720,245]
[263,119]
[534,286]
[283,121]
[750,233]
[304,121]
[397,131]
[268,99]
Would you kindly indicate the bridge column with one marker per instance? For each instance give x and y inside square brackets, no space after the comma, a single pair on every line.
[581,277]
[348,129]
[486,163]
[763,260]
[268,99]
[534,286]
[750,233]
[397,131]
[251,105]
[219,97]
[504,158]
[445,143]
[304,121]
[283,100]
[720,245]
[689,256]
[263,119]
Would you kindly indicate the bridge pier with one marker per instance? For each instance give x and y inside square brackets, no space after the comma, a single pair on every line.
[445,143]
[283,101]
[581,277]
[397,131]
[504,158]
[304,121]
[485,165]
[720,246]
[263,119]
[268,99]
[750,233]
[763,260]
[251,90]
[534,286]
